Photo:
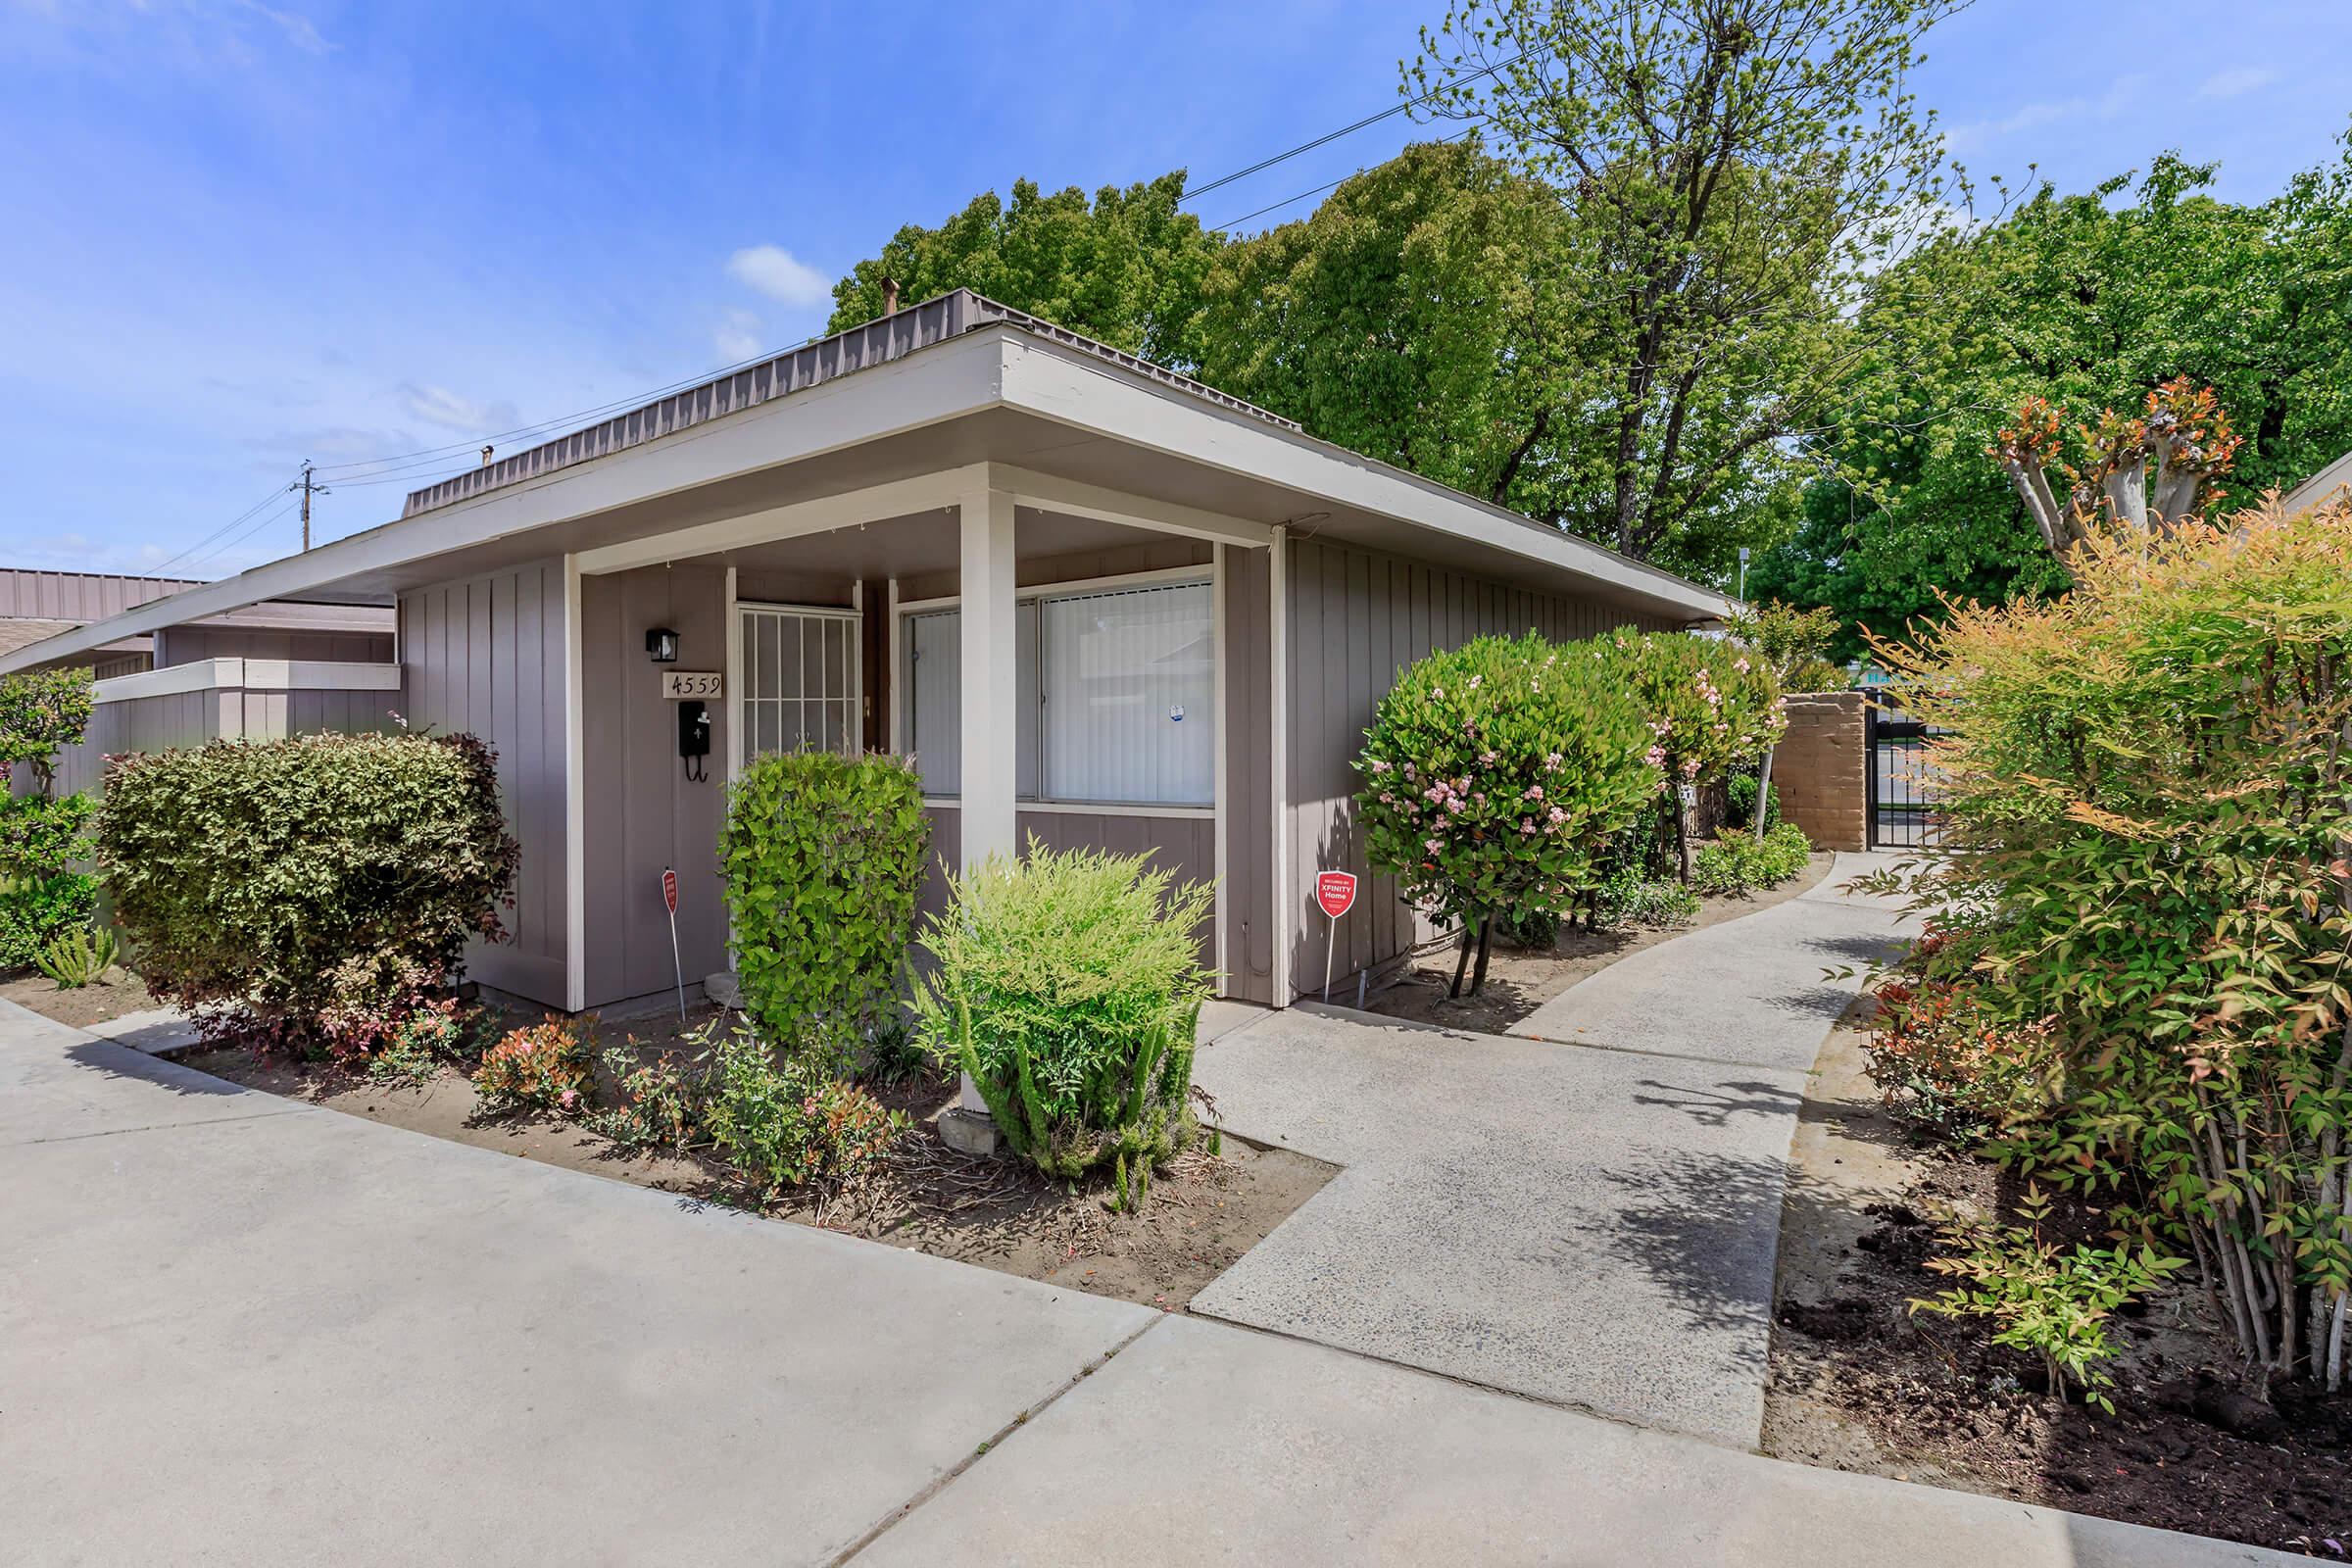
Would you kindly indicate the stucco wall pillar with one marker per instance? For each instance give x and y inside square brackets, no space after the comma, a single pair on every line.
[1820,773]
[989,684]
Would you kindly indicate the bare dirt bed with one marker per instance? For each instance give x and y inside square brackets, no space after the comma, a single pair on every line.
[1859,1384]
[1519,980]
[120,993]
[1204,1211]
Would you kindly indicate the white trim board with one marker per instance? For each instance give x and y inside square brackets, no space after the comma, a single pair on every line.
[248,674]
[1185,814]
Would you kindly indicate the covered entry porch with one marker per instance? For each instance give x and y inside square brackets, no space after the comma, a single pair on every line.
[1064,662]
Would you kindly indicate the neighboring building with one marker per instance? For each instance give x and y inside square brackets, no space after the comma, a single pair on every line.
[1100,602]
[2331,483]
[37,607]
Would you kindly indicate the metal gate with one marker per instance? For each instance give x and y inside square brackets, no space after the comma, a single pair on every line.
[1901,789]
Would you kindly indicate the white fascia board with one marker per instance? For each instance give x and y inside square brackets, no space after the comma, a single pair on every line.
[249,674]
[1087,394]
[935,384]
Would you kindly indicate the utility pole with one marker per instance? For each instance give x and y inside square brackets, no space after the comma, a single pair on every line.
[308,487]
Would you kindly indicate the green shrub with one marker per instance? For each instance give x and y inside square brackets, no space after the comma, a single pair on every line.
[823,860]
[311,890]
[1640,901]
[543,1067]
[1741,864]
[1494,776]
[1067,985]
[1739,803]
[44,894]
[2050,1303]
[1711,707]
[77,956]
[2147,784]
[441,1032]
[659,1103]
[786,1121]
[1535,930]
[41,713]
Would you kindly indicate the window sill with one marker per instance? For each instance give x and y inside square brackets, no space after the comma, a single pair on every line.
[1200,813]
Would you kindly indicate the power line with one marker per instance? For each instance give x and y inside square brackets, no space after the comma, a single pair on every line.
[1348,130]
[1328,185]
[158,569]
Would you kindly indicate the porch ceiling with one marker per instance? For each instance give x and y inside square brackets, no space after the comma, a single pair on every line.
[922,543]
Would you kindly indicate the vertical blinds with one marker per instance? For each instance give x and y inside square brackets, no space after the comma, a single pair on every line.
[1118,697]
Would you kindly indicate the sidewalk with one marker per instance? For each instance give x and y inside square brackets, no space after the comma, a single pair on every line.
[238,1330]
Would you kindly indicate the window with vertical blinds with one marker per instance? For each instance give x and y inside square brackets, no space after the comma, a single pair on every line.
[1117,697]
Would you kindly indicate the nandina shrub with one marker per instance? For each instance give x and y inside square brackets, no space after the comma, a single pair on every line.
[2150,789]
[309,890]
[1950,1064]
[822,857]
[1067,985]
[784,1119]
[545,1066]
[1494,775]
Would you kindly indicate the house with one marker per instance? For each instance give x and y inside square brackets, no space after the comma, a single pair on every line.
[2331,483]
[1098,602]
[37,607]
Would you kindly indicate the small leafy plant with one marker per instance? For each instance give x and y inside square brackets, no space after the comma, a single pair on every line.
[659,1103]
[2049,1302]
[1068,985]
[1739,863]
[543,1067]
[785,1121]
[433,1034]
[1638,901]
[77,957]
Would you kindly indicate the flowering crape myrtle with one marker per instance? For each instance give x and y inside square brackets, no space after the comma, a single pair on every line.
[1494,775]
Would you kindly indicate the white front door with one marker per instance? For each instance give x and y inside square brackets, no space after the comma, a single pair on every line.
[800,680]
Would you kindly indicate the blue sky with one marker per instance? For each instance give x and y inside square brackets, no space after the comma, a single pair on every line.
[236,234]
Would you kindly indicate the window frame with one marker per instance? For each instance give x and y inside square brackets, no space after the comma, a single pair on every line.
[1202,575]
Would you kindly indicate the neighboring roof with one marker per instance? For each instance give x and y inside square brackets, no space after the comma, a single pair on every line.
[957,380]
[19,631]
[2329,484]
[828,359]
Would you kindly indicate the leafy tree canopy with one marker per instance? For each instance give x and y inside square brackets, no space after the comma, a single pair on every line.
[2090,301]
[1126,267]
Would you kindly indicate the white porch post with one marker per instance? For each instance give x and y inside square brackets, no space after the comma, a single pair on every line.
[990,682]
[991,688]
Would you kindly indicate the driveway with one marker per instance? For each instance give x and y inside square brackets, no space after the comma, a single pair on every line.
[238,1330]
[1591,1227]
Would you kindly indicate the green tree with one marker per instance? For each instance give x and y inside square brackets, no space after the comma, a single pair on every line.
[2090,301]
[1737,173]
[1126,267]
[1416,318]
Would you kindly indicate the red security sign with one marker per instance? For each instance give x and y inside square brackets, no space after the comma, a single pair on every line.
[1335,891]
[669,891]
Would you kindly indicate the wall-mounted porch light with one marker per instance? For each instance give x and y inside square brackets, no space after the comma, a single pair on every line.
[661,645]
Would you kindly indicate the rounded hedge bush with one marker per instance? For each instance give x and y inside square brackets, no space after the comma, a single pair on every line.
[311,888]
[1494,775]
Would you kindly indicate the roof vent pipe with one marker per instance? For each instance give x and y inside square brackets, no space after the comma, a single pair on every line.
[890,296]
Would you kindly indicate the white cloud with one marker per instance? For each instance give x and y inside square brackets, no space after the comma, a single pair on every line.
[780,275]
[2118,97]
[438,404]
[2236,81]
[737,337]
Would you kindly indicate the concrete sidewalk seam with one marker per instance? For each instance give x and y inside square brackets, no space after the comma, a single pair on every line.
[995,1440]
[160,1127]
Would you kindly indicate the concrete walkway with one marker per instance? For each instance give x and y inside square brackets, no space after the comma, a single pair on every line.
[1592,1228]
[238,1330]
[1752,990]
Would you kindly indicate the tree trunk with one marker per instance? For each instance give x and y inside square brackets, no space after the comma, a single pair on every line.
[1763,795]
[1461,961]
[1485,939]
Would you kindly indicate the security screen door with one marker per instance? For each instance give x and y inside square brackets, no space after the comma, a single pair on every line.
[800,680]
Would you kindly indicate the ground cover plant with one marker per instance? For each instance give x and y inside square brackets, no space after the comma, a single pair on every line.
[1495,776]
[545,1066]
[1067,985]
[1738,863]
[312,892]
[822,860]
[2149,780]
[45,892]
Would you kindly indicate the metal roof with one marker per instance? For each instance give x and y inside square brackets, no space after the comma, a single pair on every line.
[827,359]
